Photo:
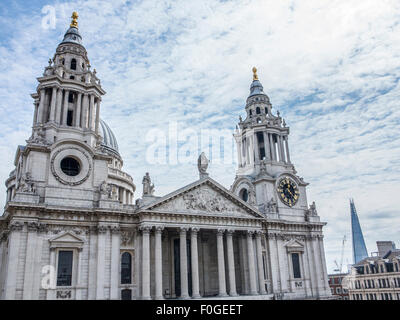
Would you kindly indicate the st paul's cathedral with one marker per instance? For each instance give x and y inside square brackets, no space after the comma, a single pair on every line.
[71,230]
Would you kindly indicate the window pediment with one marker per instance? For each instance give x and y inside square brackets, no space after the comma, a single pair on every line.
[294,246]
[66,240]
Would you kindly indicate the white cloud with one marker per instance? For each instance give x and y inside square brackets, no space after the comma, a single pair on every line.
[331,68]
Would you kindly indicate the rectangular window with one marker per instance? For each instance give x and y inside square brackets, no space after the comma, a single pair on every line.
[64,270]
[296,265]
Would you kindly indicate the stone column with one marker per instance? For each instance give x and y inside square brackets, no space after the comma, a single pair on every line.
[101,260]
[146,262]
[85,107]
[91,112]
[250,257]
[239,150]
[256,148]
[158,263]
[273,251]
[97,116]
[282,149]
[41,106]
[195,263]
[35,112]
[287,149]
[50,294]
[53,104]
[266,146]
[115,262]
[260,265]
[231,264]
[59,106]
[10,284]
[183,264]
[251,152]
[65,108]
[30,254]
[77,122]
[79,277]
[272,145]
[221,263]
[278,142]
[323,264]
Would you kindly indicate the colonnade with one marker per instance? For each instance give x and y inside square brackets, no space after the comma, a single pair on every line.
[276,148]
[254,257]
[53,106]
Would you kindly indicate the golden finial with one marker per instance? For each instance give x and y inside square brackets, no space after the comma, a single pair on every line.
[255,77]
[74,22]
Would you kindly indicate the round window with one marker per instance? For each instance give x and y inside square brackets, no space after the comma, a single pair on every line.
[70,166]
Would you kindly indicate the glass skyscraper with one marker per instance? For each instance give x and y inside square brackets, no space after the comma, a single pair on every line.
[359,248]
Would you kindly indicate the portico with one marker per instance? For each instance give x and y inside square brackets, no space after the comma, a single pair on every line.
[189,251]
[191,262]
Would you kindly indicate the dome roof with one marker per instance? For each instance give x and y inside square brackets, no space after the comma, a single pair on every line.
[72,36]
[256,88]
[108,138]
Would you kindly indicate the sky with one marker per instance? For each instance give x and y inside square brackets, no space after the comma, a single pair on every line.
[331,68]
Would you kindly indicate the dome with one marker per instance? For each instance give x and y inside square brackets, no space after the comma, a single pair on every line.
[256,88]
[72,36]
[108,138]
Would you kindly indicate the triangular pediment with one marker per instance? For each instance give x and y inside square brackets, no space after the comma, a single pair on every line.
[204,197]
[66,239]
[294,245]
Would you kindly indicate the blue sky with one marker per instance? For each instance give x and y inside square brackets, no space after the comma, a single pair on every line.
[331,68]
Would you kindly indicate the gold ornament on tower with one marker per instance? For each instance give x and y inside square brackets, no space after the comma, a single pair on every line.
[74,22]
[255,77]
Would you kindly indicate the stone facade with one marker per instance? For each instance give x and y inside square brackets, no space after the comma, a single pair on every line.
[376,277]
[70,229]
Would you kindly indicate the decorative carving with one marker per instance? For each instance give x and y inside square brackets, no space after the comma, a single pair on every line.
[65,294]
[105,190]
[272,206]
[148,187]
[102,229]
[220,232]
[159,229]
[38,136]
[15,226]
[115,229]
[26,184]
[203,199]
[145,228]
[263,167]
[127,238]
[202,165]
[313,210]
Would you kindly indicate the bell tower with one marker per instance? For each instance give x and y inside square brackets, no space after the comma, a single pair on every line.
[266,177]
[67,101]
[72,158]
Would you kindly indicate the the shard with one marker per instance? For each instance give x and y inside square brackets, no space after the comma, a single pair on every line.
[359,248]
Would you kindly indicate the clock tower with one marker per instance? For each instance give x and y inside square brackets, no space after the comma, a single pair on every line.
[266,177]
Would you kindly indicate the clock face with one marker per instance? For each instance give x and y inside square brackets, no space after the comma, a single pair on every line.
[288,191]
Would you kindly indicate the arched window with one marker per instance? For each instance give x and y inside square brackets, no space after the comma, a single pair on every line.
[71,97]
[72,77]
[266,110]
[258,111]
[126,268]
[244,194]
[250,112]
[73,64]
